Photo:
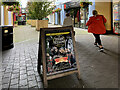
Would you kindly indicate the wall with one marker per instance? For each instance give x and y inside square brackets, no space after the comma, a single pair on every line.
[104,8]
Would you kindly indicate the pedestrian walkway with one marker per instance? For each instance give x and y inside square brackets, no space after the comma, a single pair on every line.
[98,70]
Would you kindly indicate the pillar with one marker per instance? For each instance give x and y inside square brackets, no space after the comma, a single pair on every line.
[6,15]
[12,18]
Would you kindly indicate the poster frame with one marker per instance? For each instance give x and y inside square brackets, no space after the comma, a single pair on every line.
[42,57]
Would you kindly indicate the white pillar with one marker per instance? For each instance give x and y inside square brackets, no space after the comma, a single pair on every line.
[9,18]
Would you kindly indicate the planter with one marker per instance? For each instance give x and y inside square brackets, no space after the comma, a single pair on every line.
[33,23]
[29,22]
[15,25]
[41,24]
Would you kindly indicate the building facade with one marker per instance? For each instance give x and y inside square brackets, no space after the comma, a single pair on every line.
[104,8]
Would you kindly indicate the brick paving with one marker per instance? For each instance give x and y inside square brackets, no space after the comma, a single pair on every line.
[98,70]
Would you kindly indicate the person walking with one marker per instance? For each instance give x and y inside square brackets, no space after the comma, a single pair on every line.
[68,20]
[96,26]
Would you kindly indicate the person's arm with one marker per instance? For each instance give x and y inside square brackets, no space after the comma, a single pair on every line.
[104,19]
[89,22]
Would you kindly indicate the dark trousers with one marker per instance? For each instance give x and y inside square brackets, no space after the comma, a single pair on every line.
[97,38]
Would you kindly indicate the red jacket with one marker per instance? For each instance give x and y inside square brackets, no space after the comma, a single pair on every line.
[96,24]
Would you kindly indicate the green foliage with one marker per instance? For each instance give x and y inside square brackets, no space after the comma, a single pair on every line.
[85,5]
[15,22]
[39,10]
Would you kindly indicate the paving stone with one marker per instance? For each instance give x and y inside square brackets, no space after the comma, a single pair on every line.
[23,76]
[22,68]
[29,68]
[7,75]
[31,77]
[5,85]
[8,70]
[16,75]
[23,87]
[36,73]
[35,69]
[15,71]
[14,86]
[32,83]
[30,72]
[29,65]
[22,72]
[23,82]
[40,84]
[14,81]
[38,78]
[5,80]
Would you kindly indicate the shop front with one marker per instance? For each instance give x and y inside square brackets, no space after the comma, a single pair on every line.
[116,17]
[22,19]
[78,14]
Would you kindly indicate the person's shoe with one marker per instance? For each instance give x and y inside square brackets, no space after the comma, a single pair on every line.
[101,49]
[96,44]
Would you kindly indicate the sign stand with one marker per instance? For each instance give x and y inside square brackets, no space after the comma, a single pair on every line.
[54,65]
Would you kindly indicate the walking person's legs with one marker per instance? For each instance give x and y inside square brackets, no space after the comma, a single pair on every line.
[98,41]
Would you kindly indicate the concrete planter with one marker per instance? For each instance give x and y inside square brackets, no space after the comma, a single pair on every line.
[41,24]
[29,22]
[33,23]
[15,25]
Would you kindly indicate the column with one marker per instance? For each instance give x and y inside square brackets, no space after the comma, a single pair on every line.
[5,15]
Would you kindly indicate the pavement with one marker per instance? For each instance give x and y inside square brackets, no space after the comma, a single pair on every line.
[98,69]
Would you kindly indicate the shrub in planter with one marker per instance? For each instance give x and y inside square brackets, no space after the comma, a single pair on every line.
[16,23]
[39,10]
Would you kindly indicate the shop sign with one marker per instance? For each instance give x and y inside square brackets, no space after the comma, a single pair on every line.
[57,48]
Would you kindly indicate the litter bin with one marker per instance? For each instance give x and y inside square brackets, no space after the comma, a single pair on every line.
[7,37]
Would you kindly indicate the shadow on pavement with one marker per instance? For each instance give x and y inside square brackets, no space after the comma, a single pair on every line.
[70,81]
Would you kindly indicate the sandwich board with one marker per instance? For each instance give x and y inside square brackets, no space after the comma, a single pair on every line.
[57,56]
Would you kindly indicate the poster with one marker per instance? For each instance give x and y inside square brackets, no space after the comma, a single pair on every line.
[59,51]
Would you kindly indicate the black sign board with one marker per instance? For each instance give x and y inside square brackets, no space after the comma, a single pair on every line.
[57,53]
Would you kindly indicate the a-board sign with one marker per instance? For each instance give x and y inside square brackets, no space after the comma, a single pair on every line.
[57,48]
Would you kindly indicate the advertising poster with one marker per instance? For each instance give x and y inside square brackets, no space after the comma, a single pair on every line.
[60,54]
